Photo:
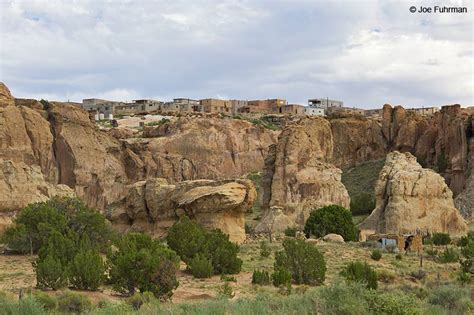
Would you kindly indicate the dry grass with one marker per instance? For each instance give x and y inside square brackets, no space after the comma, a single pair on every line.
[16,272]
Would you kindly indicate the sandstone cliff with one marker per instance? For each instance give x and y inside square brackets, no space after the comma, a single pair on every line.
[154,205]
[196,148]
[297,177]
[410,198]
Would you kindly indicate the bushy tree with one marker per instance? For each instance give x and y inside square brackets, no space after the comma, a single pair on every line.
[188,239]
[304,261]
[140,263]
[281,277]
[51,273]
[87,269]
[361,272]
[201,267]
[35,222]
[331,219]
[223,253]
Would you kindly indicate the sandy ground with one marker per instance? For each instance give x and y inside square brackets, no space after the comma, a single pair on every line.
[16,272]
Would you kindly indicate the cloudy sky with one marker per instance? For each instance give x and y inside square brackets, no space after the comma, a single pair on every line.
[363,52]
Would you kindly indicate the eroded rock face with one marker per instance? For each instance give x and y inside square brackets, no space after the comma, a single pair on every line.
[89,160]
[297,177]
[410,198]
[6,98]
[155,205]
[21,184]
[196,148]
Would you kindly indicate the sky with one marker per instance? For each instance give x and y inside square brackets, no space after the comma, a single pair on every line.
[363,52]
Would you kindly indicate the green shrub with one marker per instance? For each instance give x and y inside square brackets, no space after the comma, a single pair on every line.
[344,299]
[304,261]
[281,277]
[467,251]
[386,276]
[260,277]
[36,221]
[188,239]
[331,219]
[376,255]
[360,272]
[87,269]
[291,231]
[398,257]
[449,255]
[138,299]
[223,253]
[392,303]
[362,204]
[49,302]
[52,263]
[140,263]
[17,239]
[201,267]
[454,300]
[420,274]
[264,249]
[441,238]
[70,302]
[226,291]
[228,278]
[464,277]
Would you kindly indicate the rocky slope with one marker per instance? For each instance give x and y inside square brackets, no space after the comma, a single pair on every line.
[154,205]
[410,198]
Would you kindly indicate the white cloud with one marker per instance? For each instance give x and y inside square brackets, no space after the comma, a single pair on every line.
[366,53]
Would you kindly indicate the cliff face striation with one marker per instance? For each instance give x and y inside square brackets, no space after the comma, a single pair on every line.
[297,177]
[197,148]
[410,198]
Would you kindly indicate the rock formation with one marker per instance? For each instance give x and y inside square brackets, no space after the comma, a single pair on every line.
[297,177]
[197,148]
[154,205]
[410,198]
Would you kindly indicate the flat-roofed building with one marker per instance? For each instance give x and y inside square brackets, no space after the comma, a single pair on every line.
[187,105]
[314,111]
[291,109]
[324,103]
[236,105]
[214,105]
[263,106]
[148,106]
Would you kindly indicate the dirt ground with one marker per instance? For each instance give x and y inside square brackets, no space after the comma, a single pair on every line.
[16,272]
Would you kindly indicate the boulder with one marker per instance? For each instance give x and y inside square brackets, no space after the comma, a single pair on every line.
[297,177]
[412,199]
[154,205]
[333,238]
